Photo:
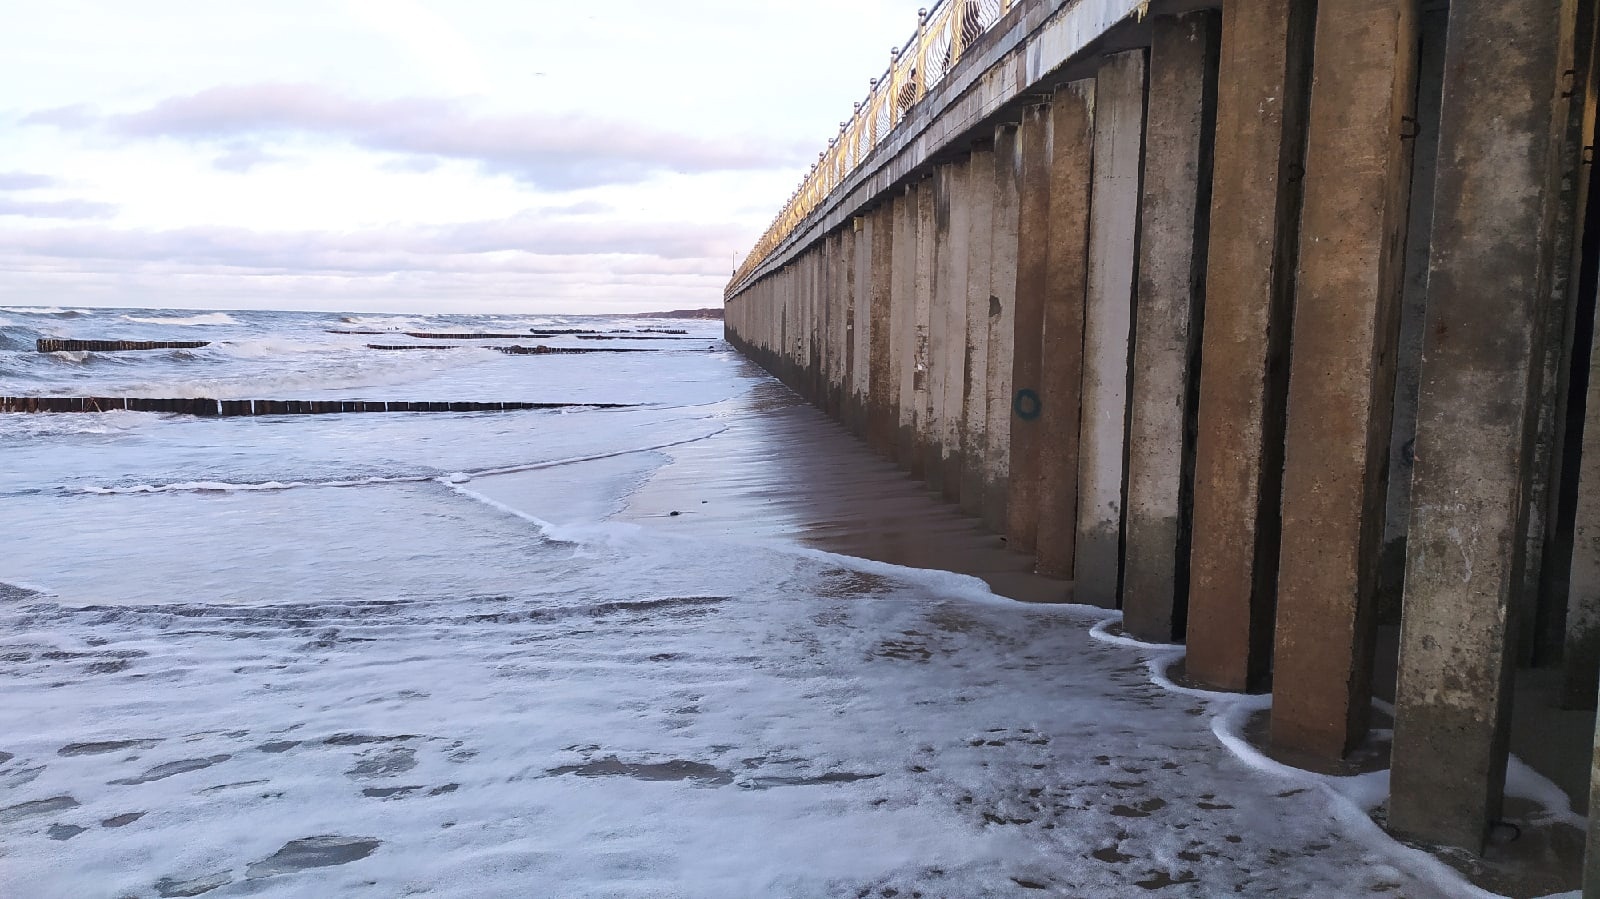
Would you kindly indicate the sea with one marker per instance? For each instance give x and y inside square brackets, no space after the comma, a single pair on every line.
[456,654]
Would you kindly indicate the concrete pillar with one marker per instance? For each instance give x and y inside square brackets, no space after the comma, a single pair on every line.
[1066,283]
[1480,358]
[903,348]
[980,272]
[1341,379]
[882,385]
[925,439]
[858,253]
[940,298]
[1002,329]
[1173,217]
[1022,507]
[1108,326]
[953,291]
[839,322]
[847,322]
[1261,88]
[1431,27]
[1555,338]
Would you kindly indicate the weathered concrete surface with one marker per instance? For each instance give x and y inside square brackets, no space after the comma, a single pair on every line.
[940,299]
[980,274]
[858,258]
[1108,326]
[924,435]
[1538,637]
[881,383]
[1072,143]
[1432,25]
[1250,264]
[1176,205]
[1033,233]
[1480,357]
[1341,380]
[1002,329]
[954,291]
[902,349]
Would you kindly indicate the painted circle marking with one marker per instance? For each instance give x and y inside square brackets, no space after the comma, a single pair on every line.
[1027,405]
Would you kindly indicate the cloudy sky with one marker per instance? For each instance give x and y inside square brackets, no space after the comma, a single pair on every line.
[412,155]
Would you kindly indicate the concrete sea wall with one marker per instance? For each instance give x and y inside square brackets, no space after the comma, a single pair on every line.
[1266,322]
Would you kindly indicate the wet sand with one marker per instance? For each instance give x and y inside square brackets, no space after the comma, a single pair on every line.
[790,472]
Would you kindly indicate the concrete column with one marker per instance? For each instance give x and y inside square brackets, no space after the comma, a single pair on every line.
[980,272]
[1341,379]
[882,385]
[827,320]
[902,351]
[839,322]
[861,323]
[1002,329]
[1431,27]
[925,439]
[1555,339]
[953,291]
[1261,88]
[940,298]
[1022,519]
[844,334]
[1108,326]
[1176,205]
[1066,284]
[1480,358]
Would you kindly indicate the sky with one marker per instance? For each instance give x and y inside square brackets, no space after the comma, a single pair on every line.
[412,155]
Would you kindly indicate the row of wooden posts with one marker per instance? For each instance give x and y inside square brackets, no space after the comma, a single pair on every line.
[209,407]
[1251,330]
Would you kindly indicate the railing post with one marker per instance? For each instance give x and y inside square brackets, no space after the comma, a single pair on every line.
[957,17]
[894,87]
[919,71]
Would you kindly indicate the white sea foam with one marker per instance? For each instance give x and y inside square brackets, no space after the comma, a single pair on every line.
[209,318]
[45,310]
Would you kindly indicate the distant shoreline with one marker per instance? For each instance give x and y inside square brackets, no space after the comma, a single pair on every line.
[706,314]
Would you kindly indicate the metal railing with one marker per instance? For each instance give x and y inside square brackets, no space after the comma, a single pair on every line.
[942,36]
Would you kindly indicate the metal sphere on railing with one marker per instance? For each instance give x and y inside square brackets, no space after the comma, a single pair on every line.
[922,15]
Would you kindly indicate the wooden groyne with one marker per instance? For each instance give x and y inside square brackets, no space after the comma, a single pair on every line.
[412,346]
[542,350]
[211,408]
[539,350]
[483,336]
[630,337]
[54,345]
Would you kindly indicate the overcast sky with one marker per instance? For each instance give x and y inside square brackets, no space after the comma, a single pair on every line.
[412,155]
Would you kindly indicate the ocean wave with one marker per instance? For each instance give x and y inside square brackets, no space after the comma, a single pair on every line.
[210,318]
[46,310]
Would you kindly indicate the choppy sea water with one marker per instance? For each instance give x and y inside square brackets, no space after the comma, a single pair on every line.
[419,654]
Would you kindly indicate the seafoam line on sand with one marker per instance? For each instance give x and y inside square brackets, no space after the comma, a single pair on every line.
[1349,800]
